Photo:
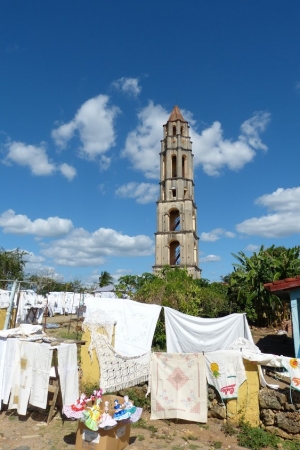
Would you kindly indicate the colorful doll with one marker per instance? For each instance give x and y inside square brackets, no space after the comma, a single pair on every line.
[119,414]
[128,405]
[75,411]
[107,421]
[92,417]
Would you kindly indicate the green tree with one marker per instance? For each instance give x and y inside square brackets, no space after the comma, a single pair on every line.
[11,266]
[246,283]
[127,285]
[105,279]
[175,288]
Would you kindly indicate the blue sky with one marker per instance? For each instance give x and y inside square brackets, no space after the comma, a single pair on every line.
[85,90]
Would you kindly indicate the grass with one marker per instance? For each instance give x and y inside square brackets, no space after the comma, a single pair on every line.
[143,424]
[257,439]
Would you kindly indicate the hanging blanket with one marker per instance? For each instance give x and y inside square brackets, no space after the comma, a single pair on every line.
[225,371]
[188,334]
[30,375]
[68,373]
[117,371]
[135,322]
[178,387]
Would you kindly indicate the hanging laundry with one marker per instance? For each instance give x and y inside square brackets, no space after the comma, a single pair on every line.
[118,371]
[225,371]
[178,387]
[187,334]
[292,365]
[68,373]
[135,322]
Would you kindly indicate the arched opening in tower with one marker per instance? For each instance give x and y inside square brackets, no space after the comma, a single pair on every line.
[174,130]
[183,167]
[174,253]
[174,166]
[174,220]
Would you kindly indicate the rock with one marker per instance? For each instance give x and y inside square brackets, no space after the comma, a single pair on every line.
[267,417]
[271,399]
[282,434]
[289,407]
[289,422]
[218,412]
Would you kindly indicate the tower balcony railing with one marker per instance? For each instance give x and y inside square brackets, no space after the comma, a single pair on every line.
[176,224]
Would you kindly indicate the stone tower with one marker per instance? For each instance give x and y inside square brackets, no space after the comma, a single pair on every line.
[176,240]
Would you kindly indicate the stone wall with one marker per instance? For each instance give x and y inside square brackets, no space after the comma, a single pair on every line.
[279,411]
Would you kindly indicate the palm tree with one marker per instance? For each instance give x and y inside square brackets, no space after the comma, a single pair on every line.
[105,279]
[250,274]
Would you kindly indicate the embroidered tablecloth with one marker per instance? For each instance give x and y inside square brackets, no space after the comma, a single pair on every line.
[178,387]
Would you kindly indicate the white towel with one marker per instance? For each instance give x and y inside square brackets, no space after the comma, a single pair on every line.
[225,371]
[41,366]
[68,373]
[22,377]
[9,368]
[3,345]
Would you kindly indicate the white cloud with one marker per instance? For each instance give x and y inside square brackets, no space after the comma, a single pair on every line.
[297,87]
[68,171]
[22,225]
[284,221]
[94,123]
[128,85]
[104,162]
[33,262]
[142,145]
[214,152]
[252,248]
[142,192]
[215,235]
[210,258]
[34,157]
[210,149]
[81,248]
[272,225]
[281,200]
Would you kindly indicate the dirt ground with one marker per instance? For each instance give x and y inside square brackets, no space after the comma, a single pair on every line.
[31,432]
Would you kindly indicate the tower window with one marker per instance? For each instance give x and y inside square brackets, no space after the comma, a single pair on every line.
[183,166]
[174,192]
[174,166]
[174,220]
[175,253]
[174,130]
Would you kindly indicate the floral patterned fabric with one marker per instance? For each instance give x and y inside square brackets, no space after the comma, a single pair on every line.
[178,387]
[292,365]
[226,372]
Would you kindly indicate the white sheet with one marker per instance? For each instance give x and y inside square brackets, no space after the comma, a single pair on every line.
[3,345]
[188,334]
[41,366]
[135,326]
[68,373]
[8,370]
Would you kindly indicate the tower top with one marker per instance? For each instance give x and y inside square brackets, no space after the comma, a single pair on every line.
[176,115]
